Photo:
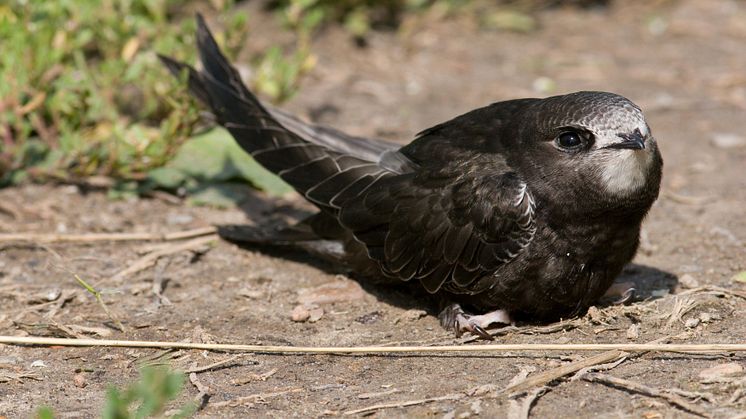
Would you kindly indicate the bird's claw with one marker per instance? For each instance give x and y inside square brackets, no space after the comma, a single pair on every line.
[454,318]
[620,293]
[627,296]
[479,330]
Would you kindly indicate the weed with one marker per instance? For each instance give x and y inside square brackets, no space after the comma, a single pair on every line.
[82,92]
[147,397]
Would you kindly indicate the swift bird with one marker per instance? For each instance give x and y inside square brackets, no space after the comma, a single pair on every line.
[527,207]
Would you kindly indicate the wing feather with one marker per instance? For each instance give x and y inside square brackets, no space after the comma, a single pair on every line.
[446,231]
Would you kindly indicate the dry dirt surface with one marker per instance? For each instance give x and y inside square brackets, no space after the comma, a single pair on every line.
[683,62]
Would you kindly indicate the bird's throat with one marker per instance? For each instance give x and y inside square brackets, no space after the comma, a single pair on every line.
[627,172]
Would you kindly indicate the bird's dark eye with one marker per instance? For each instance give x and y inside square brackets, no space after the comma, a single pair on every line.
[569,140]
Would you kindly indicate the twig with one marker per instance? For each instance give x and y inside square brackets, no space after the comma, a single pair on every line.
[522,410]
[254,377]
[681,306]
[693,395]
[367,350]
[603,361]
[600,367]
[7,376]
[634,387]
[253,398]
[203,394]
[108,237]
[159,282]
[553,374]
[151,258]
[11,211]
[381,406]
[517,408]
[213,365]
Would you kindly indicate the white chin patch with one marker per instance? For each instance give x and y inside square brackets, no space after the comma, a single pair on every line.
[626,171]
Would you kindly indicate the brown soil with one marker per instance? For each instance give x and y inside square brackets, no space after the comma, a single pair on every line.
[690,80]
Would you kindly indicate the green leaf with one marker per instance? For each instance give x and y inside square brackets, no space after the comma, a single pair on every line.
[509,20]
[167,177]
[221,195]
[215,156]
[44,412]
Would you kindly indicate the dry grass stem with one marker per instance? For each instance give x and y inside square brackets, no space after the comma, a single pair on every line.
[366,350]
[97,294]
[150,259]
[203,391]
[254,377]
[393,405]
[681,306]
[213,365]
[553,374]
[47,238]
[19,377]
[522,409]
[668,396]
[600,367]
[254,398]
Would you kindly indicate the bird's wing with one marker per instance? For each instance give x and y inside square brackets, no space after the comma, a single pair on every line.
[316,162]
[445,231]
[364,148]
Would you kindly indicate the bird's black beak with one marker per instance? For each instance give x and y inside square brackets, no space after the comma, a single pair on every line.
[633,141]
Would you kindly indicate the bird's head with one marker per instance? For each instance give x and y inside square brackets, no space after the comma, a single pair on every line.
[592,144]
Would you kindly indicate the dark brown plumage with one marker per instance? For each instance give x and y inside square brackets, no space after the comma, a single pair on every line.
[527,207]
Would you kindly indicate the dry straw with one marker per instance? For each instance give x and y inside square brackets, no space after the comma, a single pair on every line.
[363,350]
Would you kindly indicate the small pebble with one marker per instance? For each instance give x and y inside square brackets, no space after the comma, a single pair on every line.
[595,314]
[79,380]
[691,323]
[688,281]
[38,364]
[633,332]
[315,314]
[300,313]
[53,295]
[61,228]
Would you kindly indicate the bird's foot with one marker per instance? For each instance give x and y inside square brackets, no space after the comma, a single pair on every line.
[621,293]
[456,319]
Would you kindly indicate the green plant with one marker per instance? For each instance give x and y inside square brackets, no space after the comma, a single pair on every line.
[147,397]
[357,16]
[82,93]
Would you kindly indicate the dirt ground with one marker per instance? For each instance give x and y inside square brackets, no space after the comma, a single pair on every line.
[683,62]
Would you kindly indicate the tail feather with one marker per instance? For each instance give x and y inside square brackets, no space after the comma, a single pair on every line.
[315,156]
